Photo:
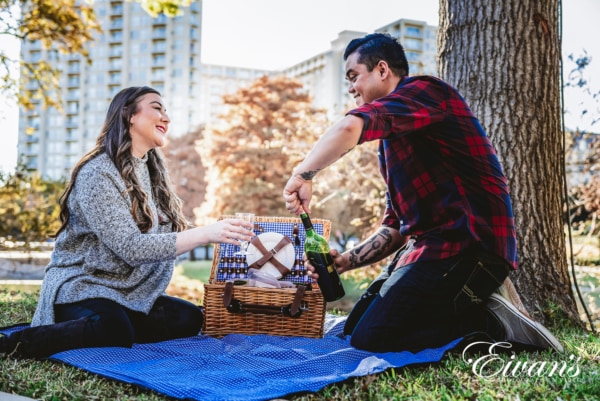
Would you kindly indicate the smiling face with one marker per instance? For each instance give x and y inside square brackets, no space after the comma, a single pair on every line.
[365,85]
[149,125]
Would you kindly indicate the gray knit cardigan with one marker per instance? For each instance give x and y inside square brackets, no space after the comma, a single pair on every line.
[102,253]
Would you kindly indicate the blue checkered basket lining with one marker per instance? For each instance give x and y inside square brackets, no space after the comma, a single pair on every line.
[233,267]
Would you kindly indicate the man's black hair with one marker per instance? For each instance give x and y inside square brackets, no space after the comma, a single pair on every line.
[375,47]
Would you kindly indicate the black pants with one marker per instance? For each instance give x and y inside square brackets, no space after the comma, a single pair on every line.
[103,323]
[427,304]
[110,324]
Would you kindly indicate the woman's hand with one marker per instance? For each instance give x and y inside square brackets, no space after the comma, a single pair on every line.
[227,231]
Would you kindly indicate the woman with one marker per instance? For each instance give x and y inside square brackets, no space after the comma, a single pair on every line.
[122,229]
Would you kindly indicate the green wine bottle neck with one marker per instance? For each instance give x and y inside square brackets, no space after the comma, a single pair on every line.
[306,222]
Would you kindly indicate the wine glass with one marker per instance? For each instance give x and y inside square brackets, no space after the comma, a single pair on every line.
[249,217]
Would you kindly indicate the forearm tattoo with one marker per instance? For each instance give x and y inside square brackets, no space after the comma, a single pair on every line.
[373,249]
[309,175]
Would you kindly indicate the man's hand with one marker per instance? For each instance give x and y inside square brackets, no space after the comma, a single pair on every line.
[297,194]
[340,262]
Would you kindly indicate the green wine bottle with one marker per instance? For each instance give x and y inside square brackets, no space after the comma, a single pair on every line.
[317,252]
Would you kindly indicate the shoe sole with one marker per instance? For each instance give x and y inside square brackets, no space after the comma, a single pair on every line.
[541,330]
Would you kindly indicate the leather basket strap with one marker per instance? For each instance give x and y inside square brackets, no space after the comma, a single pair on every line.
[234,305]
[268,256]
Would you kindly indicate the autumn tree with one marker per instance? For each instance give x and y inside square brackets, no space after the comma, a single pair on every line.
[186,171]
[268,127]
[583,208]
[28,205]
[66,25]
[583,162]
[504,58]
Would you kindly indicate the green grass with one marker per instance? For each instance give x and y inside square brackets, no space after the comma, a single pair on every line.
[197,270]
[451,379]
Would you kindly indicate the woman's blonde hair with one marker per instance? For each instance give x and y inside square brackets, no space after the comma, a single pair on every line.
[115,141]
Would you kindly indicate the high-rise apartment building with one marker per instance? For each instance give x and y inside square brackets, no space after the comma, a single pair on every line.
[323,76]
[133,50]
[218,80]
[136,49]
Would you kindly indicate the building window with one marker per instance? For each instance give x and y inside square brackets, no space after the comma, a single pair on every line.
[412,44]
[412,56]
[158,74]
[413,31]
[159,32]
[115,77]
[116,36]
[159,46]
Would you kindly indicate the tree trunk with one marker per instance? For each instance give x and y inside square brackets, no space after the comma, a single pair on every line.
[503,56]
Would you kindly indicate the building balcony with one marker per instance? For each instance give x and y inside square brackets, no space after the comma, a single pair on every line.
[32,163]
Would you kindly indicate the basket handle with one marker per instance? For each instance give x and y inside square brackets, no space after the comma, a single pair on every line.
[236,306]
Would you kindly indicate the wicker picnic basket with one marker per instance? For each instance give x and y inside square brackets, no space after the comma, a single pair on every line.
[234,308]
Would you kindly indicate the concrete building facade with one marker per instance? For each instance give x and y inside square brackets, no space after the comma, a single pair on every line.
[323,75]
[136,49]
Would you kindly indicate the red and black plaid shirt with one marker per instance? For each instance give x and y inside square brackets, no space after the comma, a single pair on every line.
[445,185]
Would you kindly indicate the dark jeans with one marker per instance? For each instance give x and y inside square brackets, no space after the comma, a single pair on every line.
[110,324]
[427,304]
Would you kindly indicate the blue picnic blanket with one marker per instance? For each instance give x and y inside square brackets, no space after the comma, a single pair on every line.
[242,367]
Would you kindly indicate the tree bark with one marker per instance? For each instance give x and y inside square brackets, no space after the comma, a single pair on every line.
[503,56]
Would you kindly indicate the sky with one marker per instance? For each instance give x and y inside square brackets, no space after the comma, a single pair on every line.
[273,34]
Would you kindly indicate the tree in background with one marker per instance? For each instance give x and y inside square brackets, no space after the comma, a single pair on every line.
[266,130]
[186,171]
[589,106]
[504,58]
[170,8]
[28,206]
[583,163]
[583,154]
[64,25]
[353,189]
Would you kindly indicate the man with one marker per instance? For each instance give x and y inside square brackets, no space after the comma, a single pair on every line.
[449,217]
